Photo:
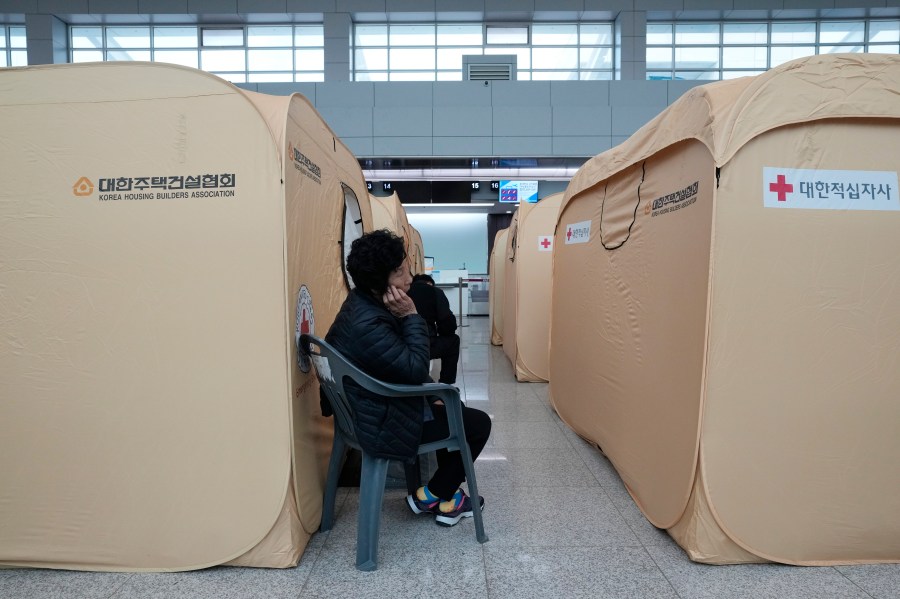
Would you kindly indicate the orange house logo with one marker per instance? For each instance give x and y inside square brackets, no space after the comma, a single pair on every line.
[83,187]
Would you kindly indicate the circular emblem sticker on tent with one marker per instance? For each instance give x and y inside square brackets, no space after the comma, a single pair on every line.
[306,323]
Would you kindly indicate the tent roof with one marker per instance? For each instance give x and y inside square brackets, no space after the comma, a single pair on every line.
[727,114]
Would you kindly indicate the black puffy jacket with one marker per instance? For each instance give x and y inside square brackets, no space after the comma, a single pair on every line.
[393,350]
[434,307]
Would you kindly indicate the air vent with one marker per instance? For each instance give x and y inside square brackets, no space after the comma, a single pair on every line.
[490,72]
[500,67]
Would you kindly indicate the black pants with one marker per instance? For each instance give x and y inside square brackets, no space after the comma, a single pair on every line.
[450,472]
[446,347]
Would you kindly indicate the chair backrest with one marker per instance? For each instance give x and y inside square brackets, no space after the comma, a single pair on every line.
[333,370]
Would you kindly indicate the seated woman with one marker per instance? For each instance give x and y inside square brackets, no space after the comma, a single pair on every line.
[378,330]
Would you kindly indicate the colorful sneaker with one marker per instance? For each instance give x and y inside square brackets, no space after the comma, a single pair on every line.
[463,510]
[426,506]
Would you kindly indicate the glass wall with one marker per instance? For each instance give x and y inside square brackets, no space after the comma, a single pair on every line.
[13,48]
[724,50]
[434,52]
[252,53]
[693,50]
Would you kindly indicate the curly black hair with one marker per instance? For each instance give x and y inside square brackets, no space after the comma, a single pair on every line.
[373,257]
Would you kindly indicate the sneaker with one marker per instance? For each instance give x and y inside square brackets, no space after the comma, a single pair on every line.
[463,510]
[422,507]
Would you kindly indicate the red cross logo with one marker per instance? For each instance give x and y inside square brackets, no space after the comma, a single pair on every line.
[304,322]
[568,233]
[782,188]
[545,243]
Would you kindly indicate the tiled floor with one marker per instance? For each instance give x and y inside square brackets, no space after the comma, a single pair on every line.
[560,523]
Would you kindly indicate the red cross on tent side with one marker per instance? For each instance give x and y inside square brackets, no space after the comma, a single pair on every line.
[781,187]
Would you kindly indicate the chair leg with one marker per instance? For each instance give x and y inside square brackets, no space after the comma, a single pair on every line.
[413,475]
[338,449]
[473,492]
[371,494]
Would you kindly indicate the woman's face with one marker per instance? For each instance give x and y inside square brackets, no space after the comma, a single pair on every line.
[400,277]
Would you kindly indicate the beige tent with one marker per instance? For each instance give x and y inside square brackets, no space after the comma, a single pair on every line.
[495,289]
[724,314]
[388,213]
[526,290]
[508,302]
[159,257]
[417,251]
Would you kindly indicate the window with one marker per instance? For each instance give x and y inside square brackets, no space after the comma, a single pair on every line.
[883,37]
[501,34]
[434,52]
[13,47]
[714,50]
[252,53]
[353,228]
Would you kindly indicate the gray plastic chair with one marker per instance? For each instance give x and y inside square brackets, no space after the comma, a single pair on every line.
[332,369]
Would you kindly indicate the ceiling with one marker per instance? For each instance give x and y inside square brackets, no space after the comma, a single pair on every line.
[469,169]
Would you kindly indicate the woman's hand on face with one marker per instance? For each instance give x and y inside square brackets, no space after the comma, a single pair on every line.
[398,302]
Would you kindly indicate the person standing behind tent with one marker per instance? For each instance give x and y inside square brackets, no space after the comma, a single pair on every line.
[378,330]
[432,304]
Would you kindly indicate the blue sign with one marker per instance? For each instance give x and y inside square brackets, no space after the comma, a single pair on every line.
[518,191]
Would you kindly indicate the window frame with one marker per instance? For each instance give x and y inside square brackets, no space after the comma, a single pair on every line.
[13,56]
[247,49]
[725,70]
[380,52]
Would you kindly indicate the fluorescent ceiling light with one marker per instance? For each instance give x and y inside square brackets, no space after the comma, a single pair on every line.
[471,205]
[562,173]
[473,208]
